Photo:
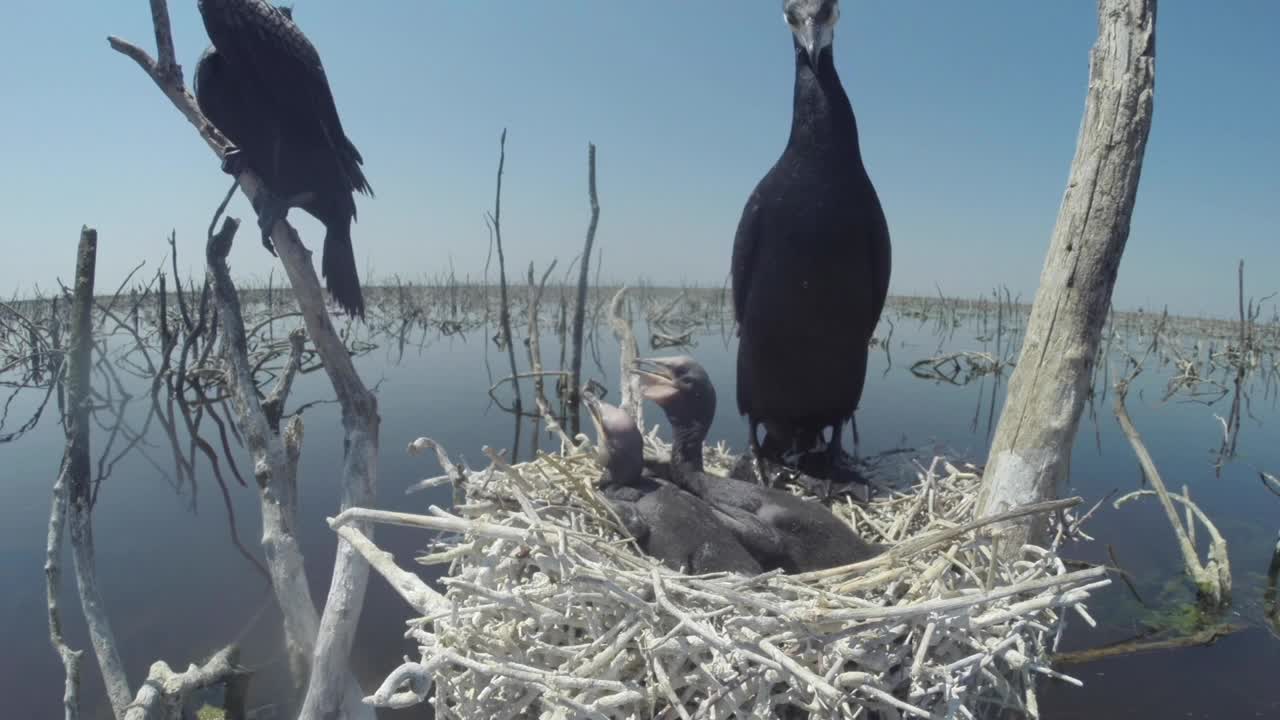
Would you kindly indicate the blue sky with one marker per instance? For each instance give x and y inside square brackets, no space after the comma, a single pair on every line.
[968,114]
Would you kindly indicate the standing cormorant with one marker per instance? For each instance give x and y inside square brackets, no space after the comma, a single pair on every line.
[263,86]
[666,522]
[811,262]
[780,530]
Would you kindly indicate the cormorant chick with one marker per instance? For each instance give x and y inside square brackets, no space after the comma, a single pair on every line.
[780,529]
[263,86]
[811,263]
[667,522]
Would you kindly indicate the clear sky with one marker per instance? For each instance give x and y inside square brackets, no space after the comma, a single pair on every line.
[968,114]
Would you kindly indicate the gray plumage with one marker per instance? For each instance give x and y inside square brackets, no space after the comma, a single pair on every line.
[667,523]
[780,530]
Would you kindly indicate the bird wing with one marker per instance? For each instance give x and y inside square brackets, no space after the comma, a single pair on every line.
[259,36]
[881,260]
[745,242]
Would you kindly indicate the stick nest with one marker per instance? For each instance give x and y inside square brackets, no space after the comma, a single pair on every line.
[550,611]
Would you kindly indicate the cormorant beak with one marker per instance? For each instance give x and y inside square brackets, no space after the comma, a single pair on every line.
[593,410]
[809,34]
[809,40]
[815,34]
[657,381]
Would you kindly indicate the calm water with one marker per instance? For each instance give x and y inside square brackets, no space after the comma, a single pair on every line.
[177,589]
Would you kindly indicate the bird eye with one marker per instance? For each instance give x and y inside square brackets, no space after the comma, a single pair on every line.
[791,17]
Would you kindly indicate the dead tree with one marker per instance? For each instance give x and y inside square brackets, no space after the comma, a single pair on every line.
[1031,451]
[579,306]
[329,691]
[71,503]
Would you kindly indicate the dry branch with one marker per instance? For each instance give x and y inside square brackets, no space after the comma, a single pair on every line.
[275,460]
[580,305]
[76,467]
[75,460]
[1212,578]
[162,694]
[331,687]
[494,219]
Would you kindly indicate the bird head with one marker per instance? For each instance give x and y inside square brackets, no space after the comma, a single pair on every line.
[680,386]
[618,440]
[813,22]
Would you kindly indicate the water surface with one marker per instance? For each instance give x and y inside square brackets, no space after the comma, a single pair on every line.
[178,589]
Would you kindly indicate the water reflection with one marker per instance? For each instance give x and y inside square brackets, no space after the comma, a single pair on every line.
[164,431]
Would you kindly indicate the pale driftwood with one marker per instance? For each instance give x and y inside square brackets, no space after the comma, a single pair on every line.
[80,478]
[1031,449]
[74,473]
[331,688]
[412,588]
[53,579]
[580,305]
[162,695]
[1213,577]
[632,401]
[274,464]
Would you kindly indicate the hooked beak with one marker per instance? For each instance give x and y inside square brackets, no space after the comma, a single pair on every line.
[593,410]
[657,381]
[808,35]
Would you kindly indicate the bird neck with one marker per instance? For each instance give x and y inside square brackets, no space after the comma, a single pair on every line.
[822,119]
[686,445]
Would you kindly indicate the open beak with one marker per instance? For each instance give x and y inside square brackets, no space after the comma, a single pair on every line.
[593,410]
[657,381]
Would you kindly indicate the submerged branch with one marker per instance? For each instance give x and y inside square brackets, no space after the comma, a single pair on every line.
[1212,579]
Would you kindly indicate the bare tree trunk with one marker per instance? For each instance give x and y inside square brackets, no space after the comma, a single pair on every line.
[579,307]
[275,461]
[79,476]
[77,431]
[1031,452]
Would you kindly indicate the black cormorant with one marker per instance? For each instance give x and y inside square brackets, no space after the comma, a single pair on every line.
[811,262]
[667,522]
[780,530]
[263,86]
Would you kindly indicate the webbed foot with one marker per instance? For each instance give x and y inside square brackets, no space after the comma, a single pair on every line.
[271,210]
[233,161]
[845,479]
[842,475]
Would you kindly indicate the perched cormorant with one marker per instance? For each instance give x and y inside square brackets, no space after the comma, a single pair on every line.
[780,530]
[667,522]
[811,262]
[263,86]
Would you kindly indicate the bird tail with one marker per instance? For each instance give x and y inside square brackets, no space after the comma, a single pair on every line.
[338,264]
